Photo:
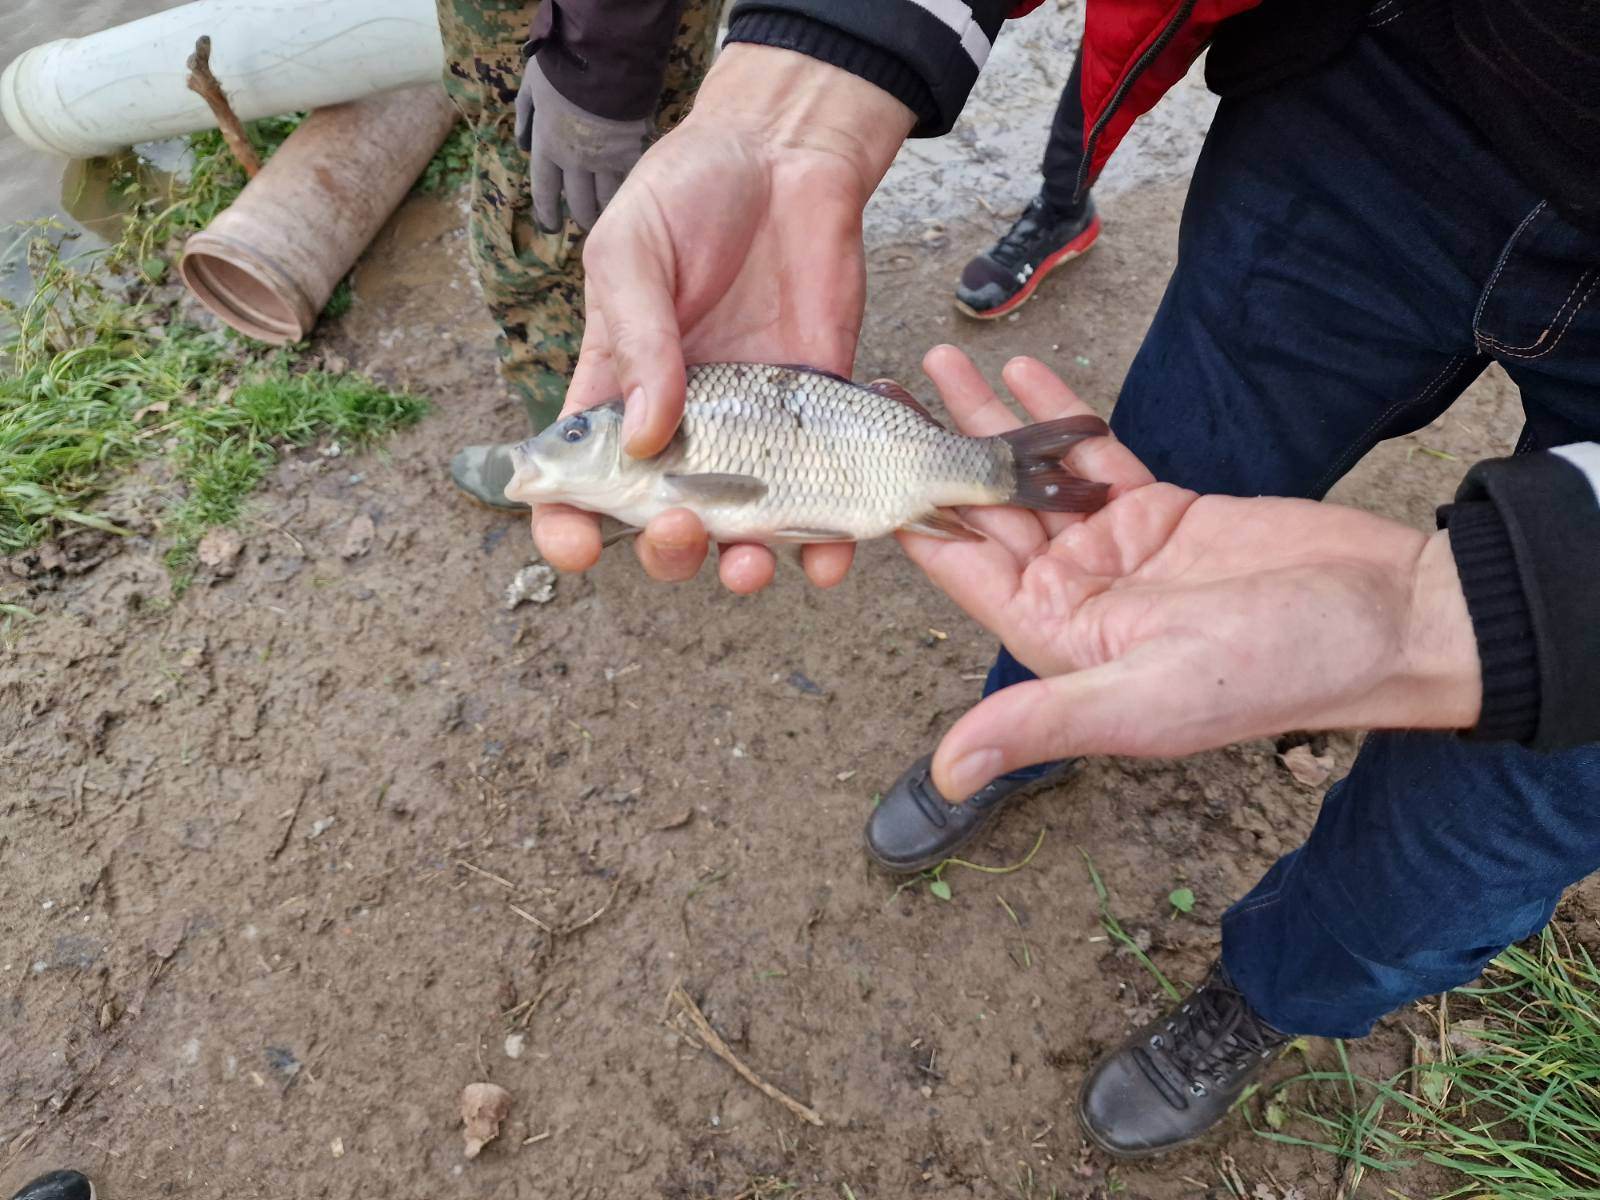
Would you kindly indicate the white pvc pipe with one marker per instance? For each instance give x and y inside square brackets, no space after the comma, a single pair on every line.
[94,95]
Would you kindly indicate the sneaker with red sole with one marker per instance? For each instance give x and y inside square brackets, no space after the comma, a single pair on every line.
[1002,278]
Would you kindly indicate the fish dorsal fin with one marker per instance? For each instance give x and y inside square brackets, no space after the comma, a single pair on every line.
[942,523]
[805,370]
[891,390]
[712,488]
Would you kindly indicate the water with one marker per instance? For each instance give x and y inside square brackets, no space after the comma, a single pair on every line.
[35,185]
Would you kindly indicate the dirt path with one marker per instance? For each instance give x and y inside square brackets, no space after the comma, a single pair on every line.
[259,850]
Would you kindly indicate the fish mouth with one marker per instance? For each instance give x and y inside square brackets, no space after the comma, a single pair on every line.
[525,471]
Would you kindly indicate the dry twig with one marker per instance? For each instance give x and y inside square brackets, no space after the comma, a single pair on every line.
[204,84]
[720,1048]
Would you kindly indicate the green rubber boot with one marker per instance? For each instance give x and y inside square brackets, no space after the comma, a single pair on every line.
[482,472]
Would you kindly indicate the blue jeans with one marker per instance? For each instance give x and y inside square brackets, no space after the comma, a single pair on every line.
[1352,256]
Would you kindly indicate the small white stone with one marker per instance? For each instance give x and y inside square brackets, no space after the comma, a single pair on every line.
[514,1044]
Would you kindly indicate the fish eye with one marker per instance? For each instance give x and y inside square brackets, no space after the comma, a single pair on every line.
[577,428]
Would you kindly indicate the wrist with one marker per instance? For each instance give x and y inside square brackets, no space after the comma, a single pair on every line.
[790,101]
[1442,673]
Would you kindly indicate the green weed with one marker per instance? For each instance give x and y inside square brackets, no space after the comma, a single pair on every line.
[451,166]
[1118,934]
[1514,1117]
[939,887]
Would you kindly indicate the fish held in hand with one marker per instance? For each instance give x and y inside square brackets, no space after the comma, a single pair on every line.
[788,454]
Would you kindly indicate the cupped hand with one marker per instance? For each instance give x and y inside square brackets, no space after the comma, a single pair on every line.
[1168,622]
[736,238]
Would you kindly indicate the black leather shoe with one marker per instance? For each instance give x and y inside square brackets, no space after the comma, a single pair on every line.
[58,1185]
[914,827]
[1178,1076]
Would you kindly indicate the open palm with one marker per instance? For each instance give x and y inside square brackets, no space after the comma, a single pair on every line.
[1169,622]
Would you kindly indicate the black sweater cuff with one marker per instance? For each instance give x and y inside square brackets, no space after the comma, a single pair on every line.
[792,31]
[1487,565]
[1526,535]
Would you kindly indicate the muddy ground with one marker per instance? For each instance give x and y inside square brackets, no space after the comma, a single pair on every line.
[262,850]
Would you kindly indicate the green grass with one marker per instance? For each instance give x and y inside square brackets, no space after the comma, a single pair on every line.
[96,374]
[1517,1118]
[213,180]
[223,450]
[97,371]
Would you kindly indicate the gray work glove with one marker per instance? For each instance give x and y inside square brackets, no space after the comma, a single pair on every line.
[572,152]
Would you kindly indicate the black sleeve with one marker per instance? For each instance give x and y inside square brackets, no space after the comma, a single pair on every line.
[925,53]
[1525,534]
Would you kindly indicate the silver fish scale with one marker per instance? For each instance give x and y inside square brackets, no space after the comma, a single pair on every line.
[835,456]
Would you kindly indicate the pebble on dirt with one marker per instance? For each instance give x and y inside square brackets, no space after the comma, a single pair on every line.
[536,582]
[358,537]
[483,1107]
[219,549]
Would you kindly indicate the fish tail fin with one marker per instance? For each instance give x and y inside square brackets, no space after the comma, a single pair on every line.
[1042,482]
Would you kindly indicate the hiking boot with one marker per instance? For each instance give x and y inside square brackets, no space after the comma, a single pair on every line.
[1178,1076]
[58,1185]
[914,827]
[1001,279]
[482,472]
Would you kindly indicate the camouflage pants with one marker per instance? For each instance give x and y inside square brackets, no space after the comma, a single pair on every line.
[533,281]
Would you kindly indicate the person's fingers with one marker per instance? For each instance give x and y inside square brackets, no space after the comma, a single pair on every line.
[827,563]
[523,130]
[1144,703]
[568,539]
[672,546]
[973,405]
[606,184]
[594,379]
[978,412]
[982,577]
[546,179]
[579,188]
[1046,398]
[745,569]
[630,278]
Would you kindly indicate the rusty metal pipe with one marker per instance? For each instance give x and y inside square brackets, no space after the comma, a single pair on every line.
[268,263]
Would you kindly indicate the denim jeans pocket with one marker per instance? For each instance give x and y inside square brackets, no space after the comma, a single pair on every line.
[1538,300]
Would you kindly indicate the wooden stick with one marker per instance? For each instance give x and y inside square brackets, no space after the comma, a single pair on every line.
[203,83]
[720,1048]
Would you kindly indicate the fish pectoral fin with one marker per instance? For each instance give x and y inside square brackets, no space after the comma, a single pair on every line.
[718,489]
[897,391]
[942,523]
[803,534]
[619,533]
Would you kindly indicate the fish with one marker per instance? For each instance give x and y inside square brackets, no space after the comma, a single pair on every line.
[790,454]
